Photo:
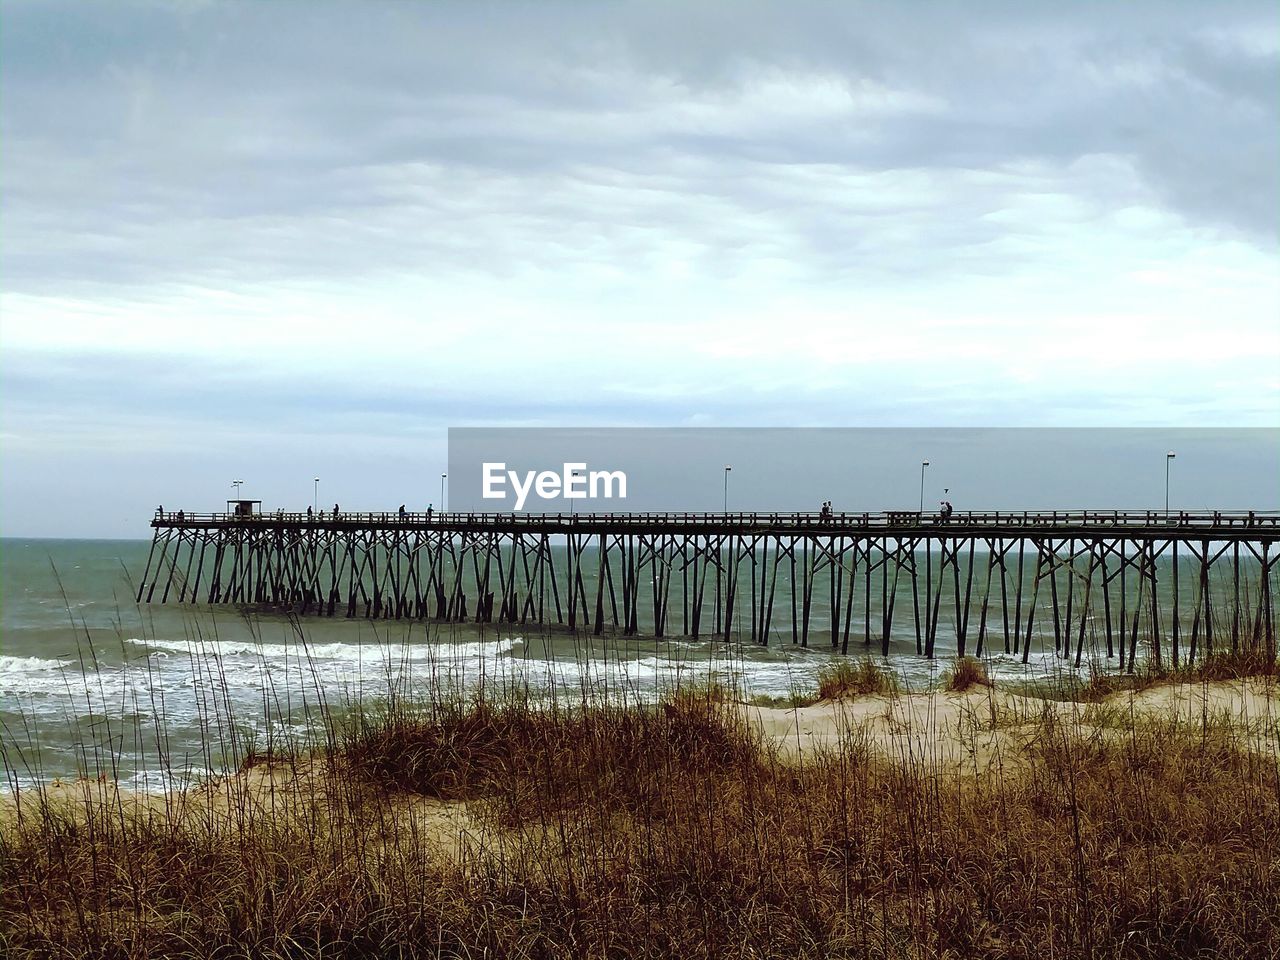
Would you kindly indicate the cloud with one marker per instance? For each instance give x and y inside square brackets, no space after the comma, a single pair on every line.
[225,220]
[148,144]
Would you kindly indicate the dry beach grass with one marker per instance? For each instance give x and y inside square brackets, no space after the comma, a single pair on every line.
[873,823]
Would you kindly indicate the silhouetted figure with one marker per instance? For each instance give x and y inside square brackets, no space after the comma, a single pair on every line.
[335,509]
[947,510]
[429,513]
[181,516]
[402,511]
[310,514]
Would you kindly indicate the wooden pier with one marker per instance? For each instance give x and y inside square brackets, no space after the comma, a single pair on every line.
[1186,584]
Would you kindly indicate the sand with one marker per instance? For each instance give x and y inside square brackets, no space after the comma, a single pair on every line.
[985,726]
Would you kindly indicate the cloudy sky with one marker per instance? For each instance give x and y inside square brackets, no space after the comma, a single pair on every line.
[279,241]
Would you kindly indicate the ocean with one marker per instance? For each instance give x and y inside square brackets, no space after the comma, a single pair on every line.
[92,681]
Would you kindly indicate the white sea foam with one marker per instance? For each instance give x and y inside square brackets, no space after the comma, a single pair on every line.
[352,652]
[19,675]
[29,665]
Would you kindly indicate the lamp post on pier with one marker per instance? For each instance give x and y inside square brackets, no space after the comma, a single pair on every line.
[315,495]
[923,464]
[1168,459]
[727,469]
[236,485]
[443,478]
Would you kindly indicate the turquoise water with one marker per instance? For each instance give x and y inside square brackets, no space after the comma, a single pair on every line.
[91,681]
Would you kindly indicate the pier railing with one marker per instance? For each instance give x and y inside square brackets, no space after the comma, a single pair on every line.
[886,521]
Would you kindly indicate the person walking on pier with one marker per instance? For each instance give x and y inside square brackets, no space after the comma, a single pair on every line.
[429,509]
[402,514]
[946,511]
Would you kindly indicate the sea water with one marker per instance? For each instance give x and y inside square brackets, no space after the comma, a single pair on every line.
[92,682]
